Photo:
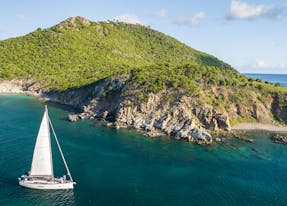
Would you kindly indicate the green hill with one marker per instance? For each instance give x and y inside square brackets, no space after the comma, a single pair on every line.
[77,52]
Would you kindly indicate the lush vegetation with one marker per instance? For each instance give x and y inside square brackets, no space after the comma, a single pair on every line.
[75,53]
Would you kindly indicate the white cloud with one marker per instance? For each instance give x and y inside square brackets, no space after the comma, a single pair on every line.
[192,20]
[130,19]
[261,66]
[259,63]
[245,11]
[162,14]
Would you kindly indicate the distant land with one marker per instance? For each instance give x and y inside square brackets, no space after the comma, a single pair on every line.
[272,78]
[133,76]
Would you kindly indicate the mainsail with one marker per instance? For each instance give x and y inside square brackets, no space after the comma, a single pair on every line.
[42,163]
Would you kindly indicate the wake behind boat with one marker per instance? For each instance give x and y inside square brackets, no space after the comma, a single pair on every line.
[41,174]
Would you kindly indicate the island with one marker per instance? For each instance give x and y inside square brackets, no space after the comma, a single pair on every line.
[132,76]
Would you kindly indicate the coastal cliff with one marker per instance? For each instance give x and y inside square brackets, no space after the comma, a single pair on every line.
[114,102]
[132,76]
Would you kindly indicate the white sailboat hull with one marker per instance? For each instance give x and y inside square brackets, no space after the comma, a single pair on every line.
[46,185]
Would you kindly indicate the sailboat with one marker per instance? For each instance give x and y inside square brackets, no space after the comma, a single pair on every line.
[41,174]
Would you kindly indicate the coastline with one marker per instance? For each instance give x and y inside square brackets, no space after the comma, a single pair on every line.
[259,127]
[17,87]
[8,87]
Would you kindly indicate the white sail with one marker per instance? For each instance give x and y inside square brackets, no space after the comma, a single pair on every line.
[42,163]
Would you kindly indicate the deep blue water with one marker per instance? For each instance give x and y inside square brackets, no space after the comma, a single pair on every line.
[125,168]
[272,78]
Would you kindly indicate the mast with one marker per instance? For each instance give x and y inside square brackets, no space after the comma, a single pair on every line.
[62,155]
[51,155]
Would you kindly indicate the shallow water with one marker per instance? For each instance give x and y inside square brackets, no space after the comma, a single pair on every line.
[126,168]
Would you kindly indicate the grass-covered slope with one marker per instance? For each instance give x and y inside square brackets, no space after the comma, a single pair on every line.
[77,52]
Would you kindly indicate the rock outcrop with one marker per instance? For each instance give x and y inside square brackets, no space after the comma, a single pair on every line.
[278,138]
[181,119]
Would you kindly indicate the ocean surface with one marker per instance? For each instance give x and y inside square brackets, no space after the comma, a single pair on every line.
[272,78]
[123,167]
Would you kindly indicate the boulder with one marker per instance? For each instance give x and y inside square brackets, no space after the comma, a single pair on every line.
[73,117]
[223,121]
[201,137]
[280,138]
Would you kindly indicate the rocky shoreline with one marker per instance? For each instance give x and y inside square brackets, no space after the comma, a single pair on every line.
[176,123]
[154,117]
[16,87]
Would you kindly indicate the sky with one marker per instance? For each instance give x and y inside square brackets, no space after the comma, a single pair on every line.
[250,35]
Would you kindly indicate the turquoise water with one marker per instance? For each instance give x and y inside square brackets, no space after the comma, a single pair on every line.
[272,78]
[125,168]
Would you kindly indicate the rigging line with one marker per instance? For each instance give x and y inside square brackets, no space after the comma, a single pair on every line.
[68,171]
